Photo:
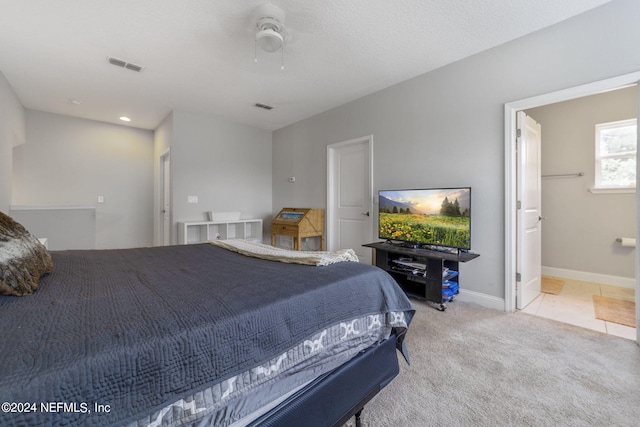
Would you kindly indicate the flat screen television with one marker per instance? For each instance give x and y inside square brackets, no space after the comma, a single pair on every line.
[426,217]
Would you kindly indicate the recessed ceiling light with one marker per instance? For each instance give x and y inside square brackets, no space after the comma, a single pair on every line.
[125,119]
[75,101]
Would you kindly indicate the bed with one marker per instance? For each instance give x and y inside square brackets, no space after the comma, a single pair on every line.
[198,335]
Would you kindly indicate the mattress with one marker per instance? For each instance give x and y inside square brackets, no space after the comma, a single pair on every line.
[183,335]
[332,399]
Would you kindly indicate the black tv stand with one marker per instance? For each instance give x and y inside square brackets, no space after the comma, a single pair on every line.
[409,245]
[422,273]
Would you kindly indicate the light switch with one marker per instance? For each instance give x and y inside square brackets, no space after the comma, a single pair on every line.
[192,199]
[100,199]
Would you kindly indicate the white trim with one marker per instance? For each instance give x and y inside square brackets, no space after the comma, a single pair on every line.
[510,198]
[159,232]
[585,276]
[330,217]
[481,299]
[599,156]
[49,207]
[510,110]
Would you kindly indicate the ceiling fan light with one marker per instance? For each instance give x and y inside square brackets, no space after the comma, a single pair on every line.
[269,40]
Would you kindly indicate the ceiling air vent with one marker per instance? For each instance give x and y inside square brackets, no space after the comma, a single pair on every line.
[133,67]
[263,106]
[124,64]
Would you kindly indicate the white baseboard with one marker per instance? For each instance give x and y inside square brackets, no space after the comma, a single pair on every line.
[623,282]
[483,300]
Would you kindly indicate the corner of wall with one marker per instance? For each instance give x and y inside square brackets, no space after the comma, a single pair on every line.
[12,134]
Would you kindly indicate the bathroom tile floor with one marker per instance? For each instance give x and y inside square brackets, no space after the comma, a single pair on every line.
[574,305]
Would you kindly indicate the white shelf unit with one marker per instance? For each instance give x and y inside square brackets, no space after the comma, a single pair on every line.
[201,231]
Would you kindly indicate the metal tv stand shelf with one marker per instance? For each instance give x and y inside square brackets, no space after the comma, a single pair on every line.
[425,274]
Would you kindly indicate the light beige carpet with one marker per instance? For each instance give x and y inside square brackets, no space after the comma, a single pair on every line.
[615,310]
[551,285]
[472,366]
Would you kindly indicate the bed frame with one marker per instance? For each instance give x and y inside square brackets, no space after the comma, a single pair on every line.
[334,398]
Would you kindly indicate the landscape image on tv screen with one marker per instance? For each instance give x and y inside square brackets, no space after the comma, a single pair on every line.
[438,217]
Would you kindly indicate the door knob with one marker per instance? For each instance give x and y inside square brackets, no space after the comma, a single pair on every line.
[365,213]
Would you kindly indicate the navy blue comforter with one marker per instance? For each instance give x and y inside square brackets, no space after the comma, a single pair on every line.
[133,329]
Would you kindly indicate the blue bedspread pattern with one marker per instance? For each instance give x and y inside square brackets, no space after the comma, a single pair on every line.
[233,399]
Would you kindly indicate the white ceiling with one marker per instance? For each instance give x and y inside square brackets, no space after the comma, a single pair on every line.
[198,55]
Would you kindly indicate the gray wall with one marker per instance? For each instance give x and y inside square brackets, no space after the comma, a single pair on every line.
[446,127]
[65,227]
[12,132]
[69,161]
[227,165]
[581,227]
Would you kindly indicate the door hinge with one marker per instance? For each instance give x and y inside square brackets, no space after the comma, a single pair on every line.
[518,277]
[518,133]
[518,204]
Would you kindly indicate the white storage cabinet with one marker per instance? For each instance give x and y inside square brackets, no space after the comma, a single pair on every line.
[201,231]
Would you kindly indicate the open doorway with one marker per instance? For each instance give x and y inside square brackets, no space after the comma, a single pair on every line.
[164,214]
[583,266]
[510,175]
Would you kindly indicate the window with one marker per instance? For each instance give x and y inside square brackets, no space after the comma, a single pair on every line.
[616,144]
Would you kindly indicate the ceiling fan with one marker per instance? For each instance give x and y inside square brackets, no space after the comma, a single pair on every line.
[270,32]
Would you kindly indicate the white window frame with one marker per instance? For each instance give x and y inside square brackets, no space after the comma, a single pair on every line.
[599,187]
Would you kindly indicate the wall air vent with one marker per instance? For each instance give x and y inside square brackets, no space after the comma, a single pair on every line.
[263,106]
[124,64]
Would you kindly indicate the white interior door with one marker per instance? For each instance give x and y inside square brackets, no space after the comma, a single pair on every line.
[349,196]
[165,213]
[529,213]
